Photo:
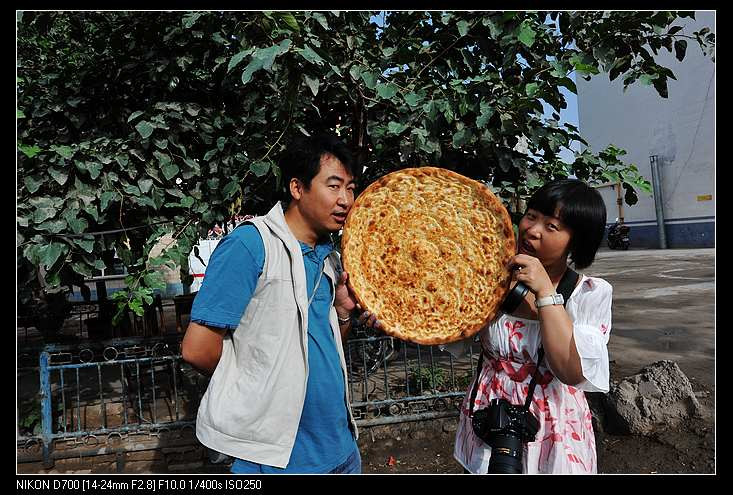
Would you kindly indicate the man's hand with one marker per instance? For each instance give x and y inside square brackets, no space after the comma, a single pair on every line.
[370,320]
[345,303]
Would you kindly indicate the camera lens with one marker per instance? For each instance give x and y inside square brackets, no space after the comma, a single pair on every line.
[506,454]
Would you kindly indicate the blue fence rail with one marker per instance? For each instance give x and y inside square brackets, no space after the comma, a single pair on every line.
[142,386]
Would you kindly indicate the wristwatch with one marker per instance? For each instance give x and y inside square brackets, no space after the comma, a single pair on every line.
[550,300]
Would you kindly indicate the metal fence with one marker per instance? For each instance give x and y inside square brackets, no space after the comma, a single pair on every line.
[96,393]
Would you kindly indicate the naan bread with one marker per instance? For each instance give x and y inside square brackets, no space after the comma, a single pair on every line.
[427,250]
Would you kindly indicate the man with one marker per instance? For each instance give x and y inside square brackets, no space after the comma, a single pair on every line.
[269,321]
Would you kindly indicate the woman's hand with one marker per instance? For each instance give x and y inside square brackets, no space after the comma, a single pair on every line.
[530,272]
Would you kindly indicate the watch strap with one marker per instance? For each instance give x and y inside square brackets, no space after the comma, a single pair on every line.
[554,299]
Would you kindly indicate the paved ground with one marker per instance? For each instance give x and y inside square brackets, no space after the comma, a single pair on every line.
[663,308]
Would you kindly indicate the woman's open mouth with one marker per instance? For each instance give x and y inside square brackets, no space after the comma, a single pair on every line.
[526,247]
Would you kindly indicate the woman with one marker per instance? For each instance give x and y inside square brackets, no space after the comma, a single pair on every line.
[564,219]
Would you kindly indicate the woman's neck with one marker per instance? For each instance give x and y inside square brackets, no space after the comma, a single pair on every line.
[557,270]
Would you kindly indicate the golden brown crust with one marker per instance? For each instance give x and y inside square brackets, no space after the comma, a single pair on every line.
[427,251]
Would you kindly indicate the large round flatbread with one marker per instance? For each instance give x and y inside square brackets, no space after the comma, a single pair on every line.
[427,251]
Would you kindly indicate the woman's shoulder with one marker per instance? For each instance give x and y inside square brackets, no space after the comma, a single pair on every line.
[593,285]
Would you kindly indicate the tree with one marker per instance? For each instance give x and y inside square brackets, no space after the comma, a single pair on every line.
[166,122]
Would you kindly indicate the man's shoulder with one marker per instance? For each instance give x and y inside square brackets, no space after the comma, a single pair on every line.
[244,238]
[246,233]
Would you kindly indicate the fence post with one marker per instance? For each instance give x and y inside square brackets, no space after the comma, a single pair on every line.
[46,417]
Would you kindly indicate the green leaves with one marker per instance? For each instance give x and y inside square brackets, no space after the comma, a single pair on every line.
[290,21]
[321,19]
[190,19]
[237,59]
[49,254]
[568,83]
[105,198]
[311,56]
[260,168]
[77,225]
[32,183]
[177,130]
[263,58]
[134,115]
[461,137]
[86,243]
[680,46]
[413,99]
[92,168]
[370,79]
[60,176]
[29,151]
[396,128]
[387,91]
[487,111]
[145,185]
[144,128]
[230,188]
[646,79]
[312,83]
[526,34]
[64,151]
[169,170]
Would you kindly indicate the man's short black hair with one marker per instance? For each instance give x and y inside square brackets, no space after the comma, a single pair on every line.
[302,159]
[581,208]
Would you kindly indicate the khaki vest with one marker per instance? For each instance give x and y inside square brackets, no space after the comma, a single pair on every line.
[252,406]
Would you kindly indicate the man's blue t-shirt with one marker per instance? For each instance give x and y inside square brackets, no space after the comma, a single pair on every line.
[324,439]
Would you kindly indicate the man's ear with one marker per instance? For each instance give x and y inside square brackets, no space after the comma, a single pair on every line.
[296,188]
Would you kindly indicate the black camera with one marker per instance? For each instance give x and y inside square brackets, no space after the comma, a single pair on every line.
[505,427]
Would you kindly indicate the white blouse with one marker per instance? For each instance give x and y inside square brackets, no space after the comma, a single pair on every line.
[565,441]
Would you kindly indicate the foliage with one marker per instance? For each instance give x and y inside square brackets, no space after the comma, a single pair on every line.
[174,120]
[425,377]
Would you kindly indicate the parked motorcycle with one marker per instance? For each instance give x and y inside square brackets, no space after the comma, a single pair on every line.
[618,236]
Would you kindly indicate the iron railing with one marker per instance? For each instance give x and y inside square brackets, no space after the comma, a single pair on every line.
[141,386]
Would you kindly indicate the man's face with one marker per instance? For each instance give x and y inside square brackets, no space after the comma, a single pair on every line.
[327,201]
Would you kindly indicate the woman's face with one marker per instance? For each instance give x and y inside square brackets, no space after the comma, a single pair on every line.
[544,237]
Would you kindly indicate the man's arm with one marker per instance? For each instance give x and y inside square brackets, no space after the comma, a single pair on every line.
[231,278]
[201,347]
[345,328]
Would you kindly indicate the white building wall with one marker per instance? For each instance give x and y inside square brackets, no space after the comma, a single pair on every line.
[679,129]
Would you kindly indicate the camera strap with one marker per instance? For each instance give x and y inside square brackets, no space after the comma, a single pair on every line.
[565,287]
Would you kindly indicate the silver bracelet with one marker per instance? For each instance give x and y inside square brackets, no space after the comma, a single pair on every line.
[343,320]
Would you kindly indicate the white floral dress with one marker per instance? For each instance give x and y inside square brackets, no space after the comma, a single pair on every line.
[565,442]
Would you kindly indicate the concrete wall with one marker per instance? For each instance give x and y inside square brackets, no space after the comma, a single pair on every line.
[679,129]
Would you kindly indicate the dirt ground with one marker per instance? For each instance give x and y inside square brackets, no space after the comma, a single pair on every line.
[664,308]
[688,448]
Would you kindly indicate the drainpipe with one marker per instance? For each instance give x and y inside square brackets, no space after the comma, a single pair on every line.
[620,203]
[657,185]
